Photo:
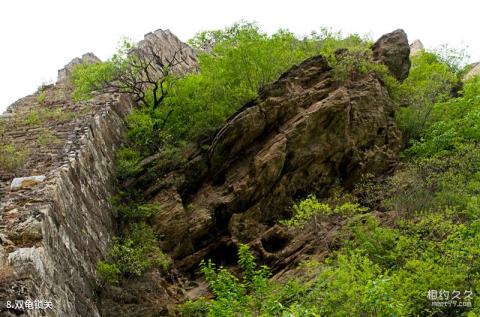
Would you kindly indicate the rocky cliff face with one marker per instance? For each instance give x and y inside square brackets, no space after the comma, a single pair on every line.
[305,133]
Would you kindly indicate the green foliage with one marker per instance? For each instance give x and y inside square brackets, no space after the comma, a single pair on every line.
[454,58]
[471,89]
[240,60]
[46,138]
[42,97]
[428,237]
[31,118]
[431,80]
[146,131]
[434,243]
[243,59]
[311,210]
[88,78]
[135,211]
[128,161]
[455,125]
[143,72]
[384,271]
[12,158]
[251,295]
[133,254]
[109,273]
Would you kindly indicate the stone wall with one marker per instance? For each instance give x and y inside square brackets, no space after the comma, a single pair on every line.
[57,180]
[52,233]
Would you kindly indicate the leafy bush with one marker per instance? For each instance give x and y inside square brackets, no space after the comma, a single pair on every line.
[447,135]
[87,77]
[46,138]
[454,58]
[109,273]
[42,96]
[11,158]
[251,295]
[146,131]
[431,80]
[128,161]
[310,210]
[134,211]
[133,254]
[389,271]
[242,60]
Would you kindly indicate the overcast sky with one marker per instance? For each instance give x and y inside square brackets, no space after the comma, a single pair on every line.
[39,37]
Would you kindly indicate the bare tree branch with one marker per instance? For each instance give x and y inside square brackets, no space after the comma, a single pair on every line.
[145,73]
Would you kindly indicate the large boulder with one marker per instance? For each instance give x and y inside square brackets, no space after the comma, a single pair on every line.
[393,50]
[305,133]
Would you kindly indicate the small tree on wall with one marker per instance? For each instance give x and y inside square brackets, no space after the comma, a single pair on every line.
[144,72]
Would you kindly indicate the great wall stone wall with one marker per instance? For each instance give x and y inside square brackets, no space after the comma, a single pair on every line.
[57,221]
[52,233]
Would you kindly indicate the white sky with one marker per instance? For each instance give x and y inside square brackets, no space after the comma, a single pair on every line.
[40,36]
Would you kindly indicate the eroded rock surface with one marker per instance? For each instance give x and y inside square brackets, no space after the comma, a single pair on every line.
[393,50]
[305,133]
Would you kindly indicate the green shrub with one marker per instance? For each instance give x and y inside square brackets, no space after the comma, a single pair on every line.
[46,138]
[431,80]
[134,253]
[384,271]
[310,210]
[137,212]
[127,163]
[109,273]
[146,131]
[455,58]
[87,78]
[456,124]
[240,61]
[243,60]
[31,118]
[251,295]
[42,96]
[11,158]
